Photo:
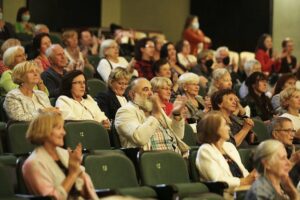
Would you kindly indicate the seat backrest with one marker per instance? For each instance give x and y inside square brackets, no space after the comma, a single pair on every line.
[246,156]
[261,130]
[94,60]
[21,188]
[95,86]
[16,136]
[162,167]
[91,134]
[246,55]
[194,173]
[114,137]
[189,136]
[6,185]
[110,170]
[3,115]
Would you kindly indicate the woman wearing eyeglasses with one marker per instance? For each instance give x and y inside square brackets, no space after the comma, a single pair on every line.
[290,101]
[75,103]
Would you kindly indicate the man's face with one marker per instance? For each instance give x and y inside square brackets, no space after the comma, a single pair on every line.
[285,133]
[142,94]
[86,38]
[58,57]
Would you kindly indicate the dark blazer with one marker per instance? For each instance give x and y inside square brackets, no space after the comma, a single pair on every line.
[52,80]
[108,103]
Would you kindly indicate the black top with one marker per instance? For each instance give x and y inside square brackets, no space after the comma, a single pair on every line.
[52,80]
[287,67]
[234,168]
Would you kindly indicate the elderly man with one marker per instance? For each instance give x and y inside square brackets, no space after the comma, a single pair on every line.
[142,123]
[283,130]
[52,77]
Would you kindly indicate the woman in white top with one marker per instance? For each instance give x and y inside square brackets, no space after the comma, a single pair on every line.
[109,51]
[75,103]
[24,103]
[185,57]
[290,101]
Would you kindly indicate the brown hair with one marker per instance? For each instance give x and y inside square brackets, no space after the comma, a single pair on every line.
[208,127]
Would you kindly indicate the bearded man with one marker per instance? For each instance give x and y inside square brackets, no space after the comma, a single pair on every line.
[140,121]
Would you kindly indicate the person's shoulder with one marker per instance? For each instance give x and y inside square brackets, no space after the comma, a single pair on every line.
[229,145]
[15,92]
[40,93]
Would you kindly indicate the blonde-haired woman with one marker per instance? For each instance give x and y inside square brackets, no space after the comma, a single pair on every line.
[221,79]
[51,170]
[24,103]
[290,101]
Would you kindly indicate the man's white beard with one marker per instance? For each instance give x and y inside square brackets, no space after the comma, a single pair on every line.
[143,102]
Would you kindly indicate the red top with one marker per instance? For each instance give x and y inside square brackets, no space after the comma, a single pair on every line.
[194,37]
[3,67]
[144,69]
[266,62]
[168,109]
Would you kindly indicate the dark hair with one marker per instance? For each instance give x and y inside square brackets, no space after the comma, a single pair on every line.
[20,12]
[217,97]
[84,30]
[261,43]
[157,65]
[164,50]
[140,44]
[254,78]
[67,83]
[36,42]
[208,127]
[188,21]
[114,27]
[179,45]
[281,81]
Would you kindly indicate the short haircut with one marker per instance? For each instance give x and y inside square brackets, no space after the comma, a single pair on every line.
[40,28]
[266,151]
[254,78]
[285,95]
[68,34]
[217,97]
[157,65]
[40,128]
[217,74]
[20,70]
[133,84]
[278,122]
[248,66]
[281,82]
[49,51]
[9,55]
[67,83]
[160,82]
[118,73]
[187,78]
[9,43]
[219,50]
[208,127]
[104,45]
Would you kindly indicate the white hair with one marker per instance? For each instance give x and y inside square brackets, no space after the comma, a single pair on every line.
[49,51]
[219,50]
[188,77]
[10,54]
[104,45]
[217,74]
[248,66]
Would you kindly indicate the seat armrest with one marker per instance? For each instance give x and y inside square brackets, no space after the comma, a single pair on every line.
[105,192]
[165,192]
[217,187]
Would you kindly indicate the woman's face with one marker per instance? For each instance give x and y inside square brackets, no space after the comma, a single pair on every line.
[192,89]
[78,87]
[289,83]
[262,86]
[56,137]
[294,101]
[45,44]
[224,130]
[32,76]
[229,103]
[119,86]
[225,82]
[164,93]
[279,166]
[72,41]
[186,48]
[164,71]
[148,50]
[20,56]
[171,51]
[112,51]
[268,43]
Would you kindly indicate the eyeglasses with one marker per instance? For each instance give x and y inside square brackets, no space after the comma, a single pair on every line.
[79,82]
[287,130]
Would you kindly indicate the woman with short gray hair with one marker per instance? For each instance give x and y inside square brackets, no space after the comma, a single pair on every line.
[271,162]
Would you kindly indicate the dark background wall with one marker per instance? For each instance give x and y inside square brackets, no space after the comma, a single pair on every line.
[234,23]
[58,14]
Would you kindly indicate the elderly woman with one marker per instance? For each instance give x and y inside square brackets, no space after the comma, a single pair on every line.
[227,102]
[41,43]
[51,170]
[218,160]
[221,79]
[271,162]
[109,51]
[6,44]
[196,105]
[24,103]
[260,105]
[290,101]
[75,103]
[163,87]
[111,100]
